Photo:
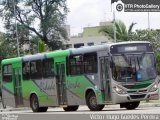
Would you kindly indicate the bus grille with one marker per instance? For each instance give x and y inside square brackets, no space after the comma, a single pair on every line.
[137,96]
[135,91]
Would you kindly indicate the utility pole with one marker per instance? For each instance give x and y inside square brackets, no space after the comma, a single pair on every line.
[148,21]
[16,28]
[148,17]
[114,23]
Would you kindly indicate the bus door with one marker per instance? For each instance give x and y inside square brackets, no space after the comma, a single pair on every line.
[18,86]
[61,85]
[104,77]
[8,94]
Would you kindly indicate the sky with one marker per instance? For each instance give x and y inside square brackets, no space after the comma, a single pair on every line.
[87,13]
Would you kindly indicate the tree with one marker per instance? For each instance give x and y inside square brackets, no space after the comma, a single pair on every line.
[152,36]
[48,15]
[121,31]
[7,50]
[42,46]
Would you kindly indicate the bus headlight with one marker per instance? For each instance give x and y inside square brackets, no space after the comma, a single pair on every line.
[119,90]
[154,88]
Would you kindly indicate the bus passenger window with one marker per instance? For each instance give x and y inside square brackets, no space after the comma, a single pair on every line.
[90,63]
[76,66]
[7,73]
[48,69]
[36,69]
[83,64]
[26,71]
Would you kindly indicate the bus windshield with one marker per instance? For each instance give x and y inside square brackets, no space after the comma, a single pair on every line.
[133,67]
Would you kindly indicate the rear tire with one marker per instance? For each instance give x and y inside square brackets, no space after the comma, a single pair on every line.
[92,102]
[43,109]
[130,105]
[34,103]
[71,108]
[4,106]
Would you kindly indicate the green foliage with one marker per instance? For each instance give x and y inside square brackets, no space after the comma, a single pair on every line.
[7,50]
[152,36]
[42,47]
[121,31]
[43,18]
[107,30]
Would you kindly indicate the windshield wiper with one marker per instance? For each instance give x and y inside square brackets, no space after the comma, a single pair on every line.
[138,63]
[126,59]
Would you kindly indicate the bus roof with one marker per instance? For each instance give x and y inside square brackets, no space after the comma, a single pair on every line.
[128,42]
[87,49]
[44,55]
[58,53]
[11,60]
[72,51]
[38,56]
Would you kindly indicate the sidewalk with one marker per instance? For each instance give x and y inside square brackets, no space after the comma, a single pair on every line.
[152,103]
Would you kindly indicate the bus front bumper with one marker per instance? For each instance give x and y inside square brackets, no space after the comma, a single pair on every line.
[131,97]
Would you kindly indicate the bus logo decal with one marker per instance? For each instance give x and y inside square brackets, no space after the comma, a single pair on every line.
[74,85]
[47,85]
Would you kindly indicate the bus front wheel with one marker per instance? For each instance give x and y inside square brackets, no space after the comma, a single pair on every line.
[130,105]
[35,104]
[92,102]
[71,108]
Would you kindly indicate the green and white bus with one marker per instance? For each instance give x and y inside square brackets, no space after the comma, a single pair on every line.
[118,73]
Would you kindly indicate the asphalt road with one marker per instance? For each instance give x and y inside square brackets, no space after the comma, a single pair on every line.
[83,113]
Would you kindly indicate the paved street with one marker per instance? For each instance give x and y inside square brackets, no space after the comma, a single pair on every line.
[84,110]
[112,112]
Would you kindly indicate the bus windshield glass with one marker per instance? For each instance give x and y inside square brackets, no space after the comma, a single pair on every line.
[133,67]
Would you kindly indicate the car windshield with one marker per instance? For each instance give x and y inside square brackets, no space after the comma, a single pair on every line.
[133,67]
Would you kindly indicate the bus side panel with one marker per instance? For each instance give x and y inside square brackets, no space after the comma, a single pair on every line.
[76,90]
[49,89]
[8,95]
[11,85]
[77,87]
[44,89]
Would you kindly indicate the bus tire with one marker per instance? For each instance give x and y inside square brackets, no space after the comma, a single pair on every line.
[130,105]
[92,102]
[43,109]
[4,106]
[34,103]
[71,108]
